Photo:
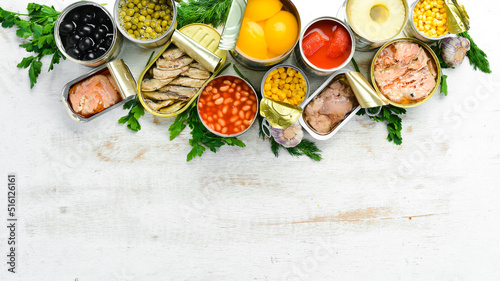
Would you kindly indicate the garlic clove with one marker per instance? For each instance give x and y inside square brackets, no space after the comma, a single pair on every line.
[291,136]
[454,49]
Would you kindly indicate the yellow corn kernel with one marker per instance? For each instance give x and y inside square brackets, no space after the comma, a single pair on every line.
[281,69]
[275,97]
[274,90]
[282,82]
[295,80]
[292,87]
[276,76]
[283,76]
[287,86]
[273,72]
[267,86]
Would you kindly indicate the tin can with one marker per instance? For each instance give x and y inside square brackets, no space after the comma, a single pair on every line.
[113,51]
[253,120]
[205,37]
[338,75]
[147,44]
[436,62]
[412,31]
[259,64]
[304,63]
[123,78]
[364,44]
[286,66]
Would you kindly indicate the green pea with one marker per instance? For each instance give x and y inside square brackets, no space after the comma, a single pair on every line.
[157,7]
[136,9]
[164,23]
[130,5]
[137,1]
[153,24]
[139,5]
[128,25]
[148,17]
[136,15]
[166,17]
[151,11]
[140,25]
[135,20]
[127,18]
[147,23]
[151,5]
[123,13]
[149,29]
[158,29]
[153,35]
[142,18]
[130,31]
[156,15]
[144,3]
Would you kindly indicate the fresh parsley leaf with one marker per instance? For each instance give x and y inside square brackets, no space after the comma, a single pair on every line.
[201,138]
[136,111]
[38,29]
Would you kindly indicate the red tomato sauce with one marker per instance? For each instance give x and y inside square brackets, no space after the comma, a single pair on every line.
[227,105]
[331,48]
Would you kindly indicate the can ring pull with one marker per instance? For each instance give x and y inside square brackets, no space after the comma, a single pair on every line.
[266,127]
[373,114]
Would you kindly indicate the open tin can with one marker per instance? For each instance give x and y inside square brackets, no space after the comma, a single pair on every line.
[200,42]
[112,52]
[235,20]
[121,75]
[363,43]
[457,21]
[301,58]
[338,75]
[435,62]
[152,43]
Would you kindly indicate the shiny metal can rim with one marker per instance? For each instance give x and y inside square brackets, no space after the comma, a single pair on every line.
[326,70]
[144,42]
[58,40]
[436,62]
[215,132]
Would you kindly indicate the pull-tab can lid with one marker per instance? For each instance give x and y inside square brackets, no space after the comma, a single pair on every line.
[365,94]
[457,17]
[279,114]
[232,27]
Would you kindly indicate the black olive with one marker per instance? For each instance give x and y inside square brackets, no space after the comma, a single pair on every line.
[102,18]
[74,17]
[90,56]
[72,40]
[100,51]
[107,42]
[73,52]
[88,16]
[85,30]
[100,33]
[85,44]
[66,28]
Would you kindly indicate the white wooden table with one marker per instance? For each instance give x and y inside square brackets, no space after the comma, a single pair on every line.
[98,202]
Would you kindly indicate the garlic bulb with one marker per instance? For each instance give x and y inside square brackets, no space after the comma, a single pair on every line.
[454,49]
[290,136]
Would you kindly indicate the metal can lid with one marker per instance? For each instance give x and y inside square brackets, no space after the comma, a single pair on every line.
[279,114]
[123,77]
[457,17]
[232,27]
[365,94]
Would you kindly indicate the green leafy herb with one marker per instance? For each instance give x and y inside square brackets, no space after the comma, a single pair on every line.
[477,57]
[212,12]
[39,32]
[136,111]
[305,147]
[390,114]
[201,138]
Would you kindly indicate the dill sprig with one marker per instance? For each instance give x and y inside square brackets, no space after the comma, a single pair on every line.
[390,114]
[477,57]
[212,12]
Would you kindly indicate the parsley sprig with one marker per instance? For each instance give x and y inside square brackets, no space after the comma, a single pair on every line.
[212,12]
[201,138]
[136,110]
[305,147]
[39,32]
